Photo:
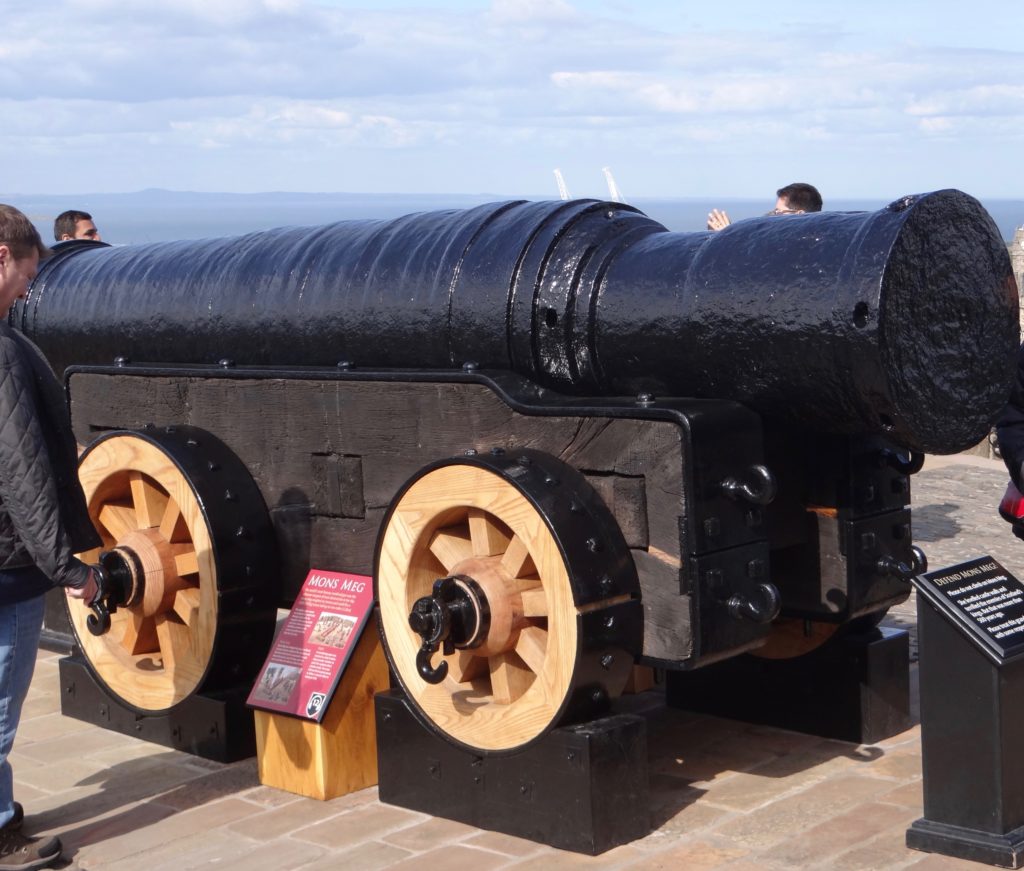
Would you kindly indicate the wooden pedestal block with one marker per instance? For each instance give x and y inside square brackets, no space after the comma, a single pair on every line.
[338,755]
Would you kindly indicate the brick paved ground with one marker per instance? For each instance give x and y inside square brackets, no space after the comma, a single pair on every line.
[724,794]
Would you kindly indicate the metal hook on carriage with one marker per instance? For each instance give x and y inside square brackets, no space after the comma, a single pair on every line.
[904,462]
[117,584]
[455,615]
[431,620]
[762,609]
[98,621]
[891,566]
[757,485]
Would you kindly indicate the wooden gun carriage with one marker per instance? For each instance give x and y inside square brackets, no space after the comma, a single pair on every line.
[562,439]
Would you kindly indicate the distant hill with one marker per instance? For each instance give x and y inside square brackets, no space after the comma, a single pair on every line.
[155,214]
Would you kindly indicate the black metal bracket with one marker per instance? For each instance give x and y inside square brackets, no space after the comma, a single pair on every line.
[757,485]
[903,461]
[117,583]
[762,607]
[454,615]
[904,571]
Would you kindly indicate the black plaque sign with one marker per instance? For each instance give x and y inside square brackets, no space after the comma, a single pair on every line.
[984,600]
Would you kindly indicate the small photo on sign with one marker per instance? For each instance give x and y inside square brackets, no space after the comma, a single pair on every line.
[277,683]
[332,630]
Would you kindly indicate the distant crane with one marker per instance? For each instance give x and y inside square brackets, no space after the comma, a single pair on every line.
[613,189]
[614,194]
[563,191]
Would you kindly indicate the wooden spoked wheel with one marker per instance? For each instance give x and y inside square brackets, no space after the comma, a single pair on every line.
[158,648]
[468,521]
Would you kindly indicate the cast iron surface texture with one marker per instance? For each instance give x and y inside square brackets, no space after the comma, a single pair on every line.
[900,322]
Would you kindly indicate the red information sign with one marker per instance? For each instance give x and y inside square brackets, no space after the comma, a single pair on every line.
[309,654]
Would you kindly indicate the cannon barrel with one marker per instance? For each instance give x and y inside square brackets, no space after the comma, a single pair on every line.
[900,322]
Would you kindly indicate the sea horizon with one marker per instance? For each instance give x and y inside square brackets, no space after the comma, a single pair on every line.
[158,215]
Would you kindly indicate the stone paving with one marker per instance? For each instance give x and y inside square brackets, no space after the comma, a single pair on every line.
[724,794]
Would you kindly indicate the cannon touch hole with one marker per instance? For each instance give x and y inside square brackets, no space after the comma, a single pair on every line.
[860,314]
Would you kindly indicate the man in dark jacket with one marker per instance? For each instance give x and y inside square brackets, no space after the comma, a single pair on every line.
[43,520]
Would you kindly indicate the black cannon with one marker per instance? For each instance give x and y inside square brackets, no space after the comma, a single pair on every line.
[847,322]
[561,438]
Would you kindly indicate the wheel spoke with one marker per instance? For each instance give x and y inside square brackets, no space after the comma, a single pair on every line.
[140,635]
[172,524]
[175,640]
[90,556]
[149,501]
[464,667]
[118,520]
[120,624]
[451,546]
[516,560]
[489,539]
[535,600]
[186,605]
[186,563]
[510,677]
[532,646]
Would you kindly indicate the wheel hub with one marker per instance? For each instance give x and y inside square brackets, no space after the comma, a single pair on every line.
[160,580]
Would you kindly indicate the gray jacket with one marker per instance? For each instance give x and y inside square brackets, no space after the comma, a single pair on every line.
[43,516]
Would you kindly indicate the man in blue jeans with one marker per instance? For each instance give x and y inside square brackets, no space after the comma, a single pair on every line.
[43,520]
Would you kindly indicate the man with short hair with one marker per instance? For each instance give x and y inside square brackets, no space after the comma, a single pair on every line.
[793,199]
[43,520]
[73,224]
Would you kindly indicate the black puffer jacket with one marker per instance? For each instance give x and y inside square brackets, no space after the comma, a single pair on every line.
[43,517]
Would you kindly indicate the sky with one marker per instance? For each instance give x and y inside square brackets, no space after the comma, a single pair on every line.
[874,98]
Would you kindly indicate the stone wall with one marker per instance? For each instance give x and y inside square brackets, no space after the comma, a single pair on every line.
[1016,249]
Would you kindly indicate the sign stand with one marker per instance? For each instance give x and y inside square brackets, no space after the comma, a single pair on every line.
[315,727]
[971,637]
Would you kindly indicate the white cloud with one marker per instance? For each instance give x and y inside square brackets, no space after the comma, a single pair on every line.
[994,99]
[532,11]
[496,89]
[936,125]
